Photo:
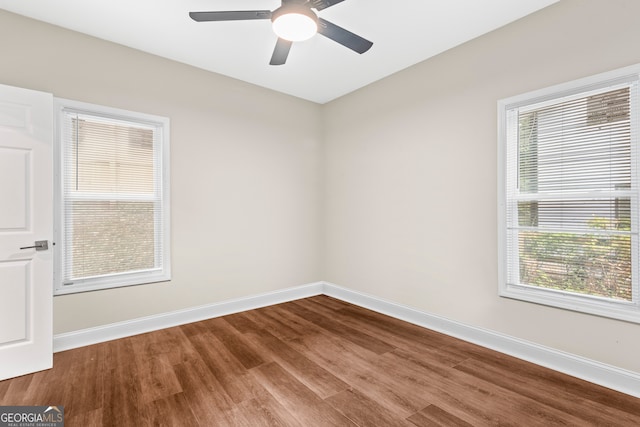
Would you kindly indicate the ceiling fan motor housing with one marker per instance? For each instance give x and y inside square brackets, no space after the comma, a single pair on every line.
[294,21]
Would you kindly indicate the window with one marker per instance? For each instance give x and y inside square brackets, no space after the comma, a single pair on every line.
[112,198]
[568,205]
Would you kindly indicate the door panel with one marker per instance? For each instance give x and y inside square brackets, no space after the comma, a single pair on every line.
[14,176]
[14,276]
[26,215]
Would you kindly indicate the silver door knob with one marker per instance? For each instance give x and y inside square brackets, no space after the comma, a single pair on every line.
[40,245]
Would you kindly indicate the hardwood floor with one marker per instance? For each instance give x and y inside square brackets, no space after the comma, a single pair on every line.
[312,362]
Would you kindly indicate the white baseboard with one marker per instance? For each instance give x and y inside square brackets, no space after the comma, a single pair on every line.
[599,373]
[83,337]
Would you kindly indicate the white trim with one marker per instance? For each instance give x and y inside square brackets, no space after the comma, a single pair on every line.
[84,337]
[569,89]
[590,370]
[598,373]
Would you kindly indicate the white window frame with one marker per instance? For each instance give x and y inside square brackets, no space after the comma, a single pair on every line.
[162,126]
[622,310]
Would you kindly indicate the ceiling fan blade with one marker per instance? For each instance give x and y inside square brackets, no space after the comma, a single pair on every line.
[344,37]
[323,4]
[238,15]
[280,52]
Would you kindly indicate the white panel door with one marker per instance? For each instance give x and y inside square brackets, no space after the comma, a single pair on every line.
[26,216]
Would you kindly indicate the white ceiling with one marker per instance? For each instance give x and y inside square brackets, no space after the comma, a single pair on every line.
[404,32]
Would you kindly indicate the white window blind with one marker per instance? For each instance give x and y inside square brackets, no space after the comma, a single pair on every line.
[113,204]
[571,198]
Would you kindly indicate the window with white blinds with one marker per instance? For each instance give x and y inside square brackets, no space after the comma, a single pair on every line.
[569,195]
[112,199]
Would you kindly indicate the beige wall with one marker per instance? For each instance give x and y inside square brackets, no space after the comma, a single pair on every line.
[411,175]
[244,169]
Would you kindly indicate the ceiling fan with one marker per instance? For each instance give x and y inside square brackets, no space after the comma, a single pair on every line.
[293,21]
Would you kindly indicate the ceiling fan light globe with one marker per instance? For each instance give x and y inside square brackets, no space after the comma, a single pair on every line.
[295,26]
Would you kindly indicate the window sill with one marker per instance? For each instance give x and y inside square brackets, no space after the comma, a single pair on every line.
[619,310]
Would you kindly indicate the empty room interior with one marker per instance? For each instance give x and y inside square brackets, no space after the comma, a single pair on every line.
[339,258]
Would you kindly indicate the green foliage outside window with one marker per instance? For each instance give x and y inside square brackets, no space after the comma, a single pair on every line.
[597,264]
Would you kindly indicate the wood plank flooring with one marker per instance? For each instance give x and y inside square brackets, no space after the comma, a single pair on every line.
[312,362]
